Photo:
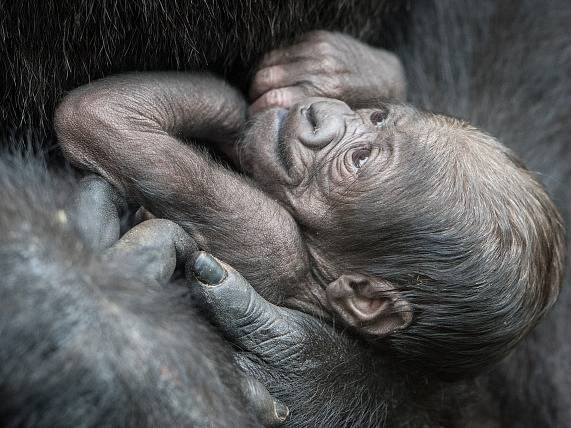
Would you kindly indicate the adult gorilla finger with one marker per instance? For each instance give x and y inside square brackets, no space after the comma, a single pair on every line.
[244,316]
[270,412]
[281,97]
[152,248]
[94,209]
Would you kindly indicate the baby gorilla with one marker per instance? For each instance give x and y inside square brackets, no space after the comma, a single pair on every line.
[418,231]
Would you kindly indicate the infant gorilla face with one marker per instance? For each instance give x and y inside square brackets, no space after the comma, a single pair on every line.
[416,224]
[317,149]
[291,143]
[320,155]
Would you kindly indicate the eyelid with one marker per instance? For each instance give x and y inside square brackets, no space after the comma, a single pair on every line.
[348,163]
[366,152]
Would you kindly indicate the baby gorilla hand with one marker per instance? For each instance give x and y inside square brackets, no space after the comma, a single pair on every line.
[330,65]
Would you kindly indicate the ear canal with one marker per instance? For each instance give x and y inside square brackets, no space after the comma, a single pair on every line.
[370,305]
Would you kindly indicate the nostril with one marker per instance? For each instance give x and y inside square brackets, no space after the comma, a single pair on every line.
[378,117]
[309,114]
[326,126]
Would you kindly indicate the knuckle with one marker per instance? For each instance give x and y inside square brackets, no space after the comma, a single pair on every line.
[324,48]
[272,97]
[250,310]
[263,77]
[330,65]
[278,97]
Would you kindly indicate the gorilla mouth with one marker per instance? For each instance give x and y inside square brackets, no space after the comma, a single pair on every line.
[264,153]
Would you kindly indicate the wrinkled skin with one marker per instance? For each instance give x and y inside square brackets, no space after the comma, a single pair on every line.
[326,64]
[508,91]
[287,341]
[88,324]
[494,80]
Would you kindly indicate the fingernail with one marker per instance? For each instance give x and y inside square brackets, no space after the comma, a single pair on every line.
[207,269]
[282,412]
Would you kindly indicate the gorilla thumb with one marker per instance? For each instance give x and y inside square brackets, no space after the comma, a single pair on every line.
[234,306]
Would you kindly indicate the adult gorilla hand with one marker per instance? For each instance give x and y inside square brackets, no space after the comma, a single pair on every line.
[327,64]
[282,347]
[152,249]
[275,334]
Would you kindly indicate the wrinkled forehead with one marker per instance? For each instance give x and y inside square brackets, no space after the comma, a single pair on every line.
[448,139]
[434,130]
[441,155]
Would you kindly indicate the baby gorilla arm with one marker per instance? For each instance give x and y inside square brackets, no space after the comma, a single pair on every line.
[132,130]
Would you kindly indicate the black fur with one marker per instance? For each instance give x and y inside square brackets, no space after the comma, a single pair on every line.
[503,65]
[85,343]
[83,40]
[88,344]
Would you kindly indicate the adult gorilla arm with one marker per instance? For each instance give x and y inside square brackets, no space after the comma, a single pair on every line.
[153,249]
[89,339]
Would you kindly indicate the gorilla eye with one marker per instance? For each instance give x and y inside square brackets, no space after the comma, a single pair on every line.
[360,157]
[378,117]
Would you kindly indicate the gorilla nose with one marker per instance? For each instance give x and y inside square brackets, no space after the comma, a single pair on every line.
[323,122]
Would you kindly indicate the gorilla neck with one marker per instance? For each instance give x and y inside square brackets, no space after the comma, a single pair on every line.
[308,294]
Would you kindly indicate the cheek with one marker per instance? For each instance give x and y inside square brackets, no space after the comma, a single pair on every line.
[316,201]
[330,173]
[341,173]
[337,183]
[309,207]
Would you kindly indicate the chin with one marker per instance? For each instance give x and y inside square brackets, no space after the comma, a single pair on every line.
[259,151]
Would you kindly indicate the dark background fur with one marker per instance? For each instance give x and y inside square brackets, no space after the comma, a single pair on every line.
[504,65]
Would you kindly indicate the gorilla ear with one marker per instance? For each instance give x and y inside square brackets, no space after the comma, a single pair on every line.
[373,306]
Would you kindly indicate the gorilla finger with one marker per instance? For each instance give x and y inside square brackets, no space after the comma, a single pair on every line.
[270,412]
[282,97]
[279,56]
[293,53]
[153,247]
[94,209]
[240,312]
[280,76]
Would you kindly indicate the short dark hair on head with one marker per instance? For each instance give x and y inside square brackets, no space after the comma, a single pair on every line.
[474,243]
